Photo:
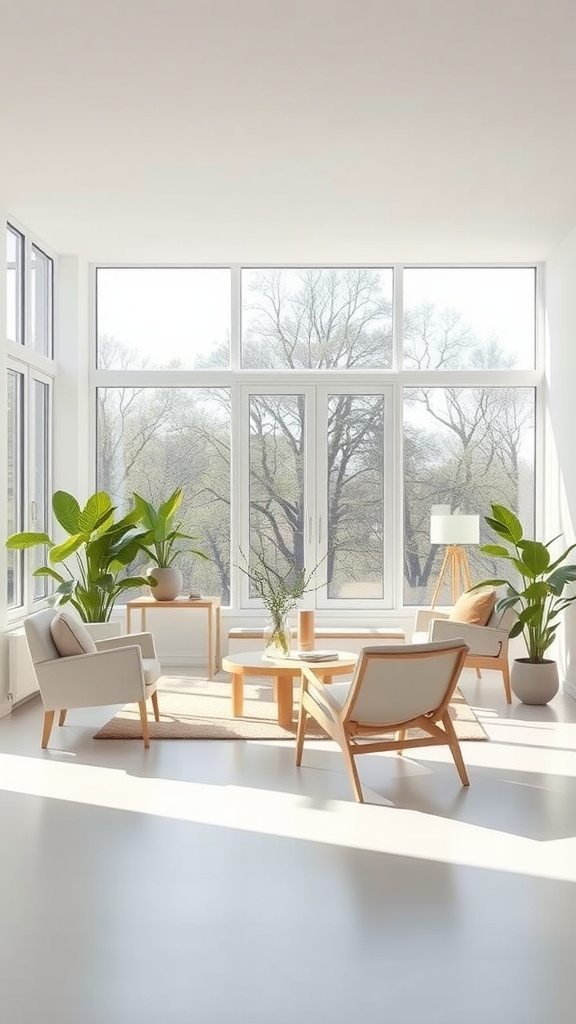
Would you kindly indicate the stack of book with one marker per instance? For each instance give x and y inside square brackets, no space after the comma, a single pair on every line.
[315,655]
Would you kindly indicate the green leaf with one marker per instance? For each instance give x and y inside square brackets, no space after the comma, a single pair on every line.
[523,569]
[489,583]
[496,550]
[145,511]
[46,571]
[19,541]
[171,505]
[517,629]
[560,577]
[66,510]
[98,505]
[535,556]
[505,523]
[132,581]
[62,551]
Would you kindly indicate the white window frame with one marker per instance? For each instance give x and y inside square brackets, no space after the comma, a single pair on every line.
[243,382]
[31,374]
[33,366]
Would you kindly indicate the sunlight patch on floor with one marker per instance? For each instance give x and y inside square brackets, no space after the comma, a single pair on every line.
[312,818]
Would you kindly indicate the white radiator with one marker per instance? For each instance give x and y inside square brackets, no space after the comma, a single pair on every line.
[22,681]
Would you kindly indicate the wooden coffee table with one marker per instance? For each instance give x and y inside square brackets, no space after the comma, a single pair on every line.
[282,671]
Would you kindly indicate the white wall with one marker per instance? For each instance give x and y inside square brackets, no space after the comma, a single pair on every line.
[561,421]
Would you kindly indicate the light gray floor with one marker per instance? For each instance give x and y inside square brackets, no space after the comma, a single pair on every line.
[212,881]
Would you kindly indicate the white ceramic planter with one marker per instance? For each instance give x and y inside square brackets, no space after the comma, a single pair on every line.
[534,683]
[103,630]
[169,583]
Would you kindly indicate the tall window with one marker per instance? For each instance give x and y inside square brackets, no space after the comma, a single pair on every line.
[41,323]
[15,437]
[315,415]
[14,285]
[153,440]
[29,347]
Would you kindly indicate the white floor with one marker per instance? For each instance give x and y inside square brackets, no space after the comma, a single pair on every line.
[213,881]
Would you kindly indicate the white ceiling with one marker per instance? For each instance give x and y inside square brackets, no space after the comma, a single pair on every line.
[303,130]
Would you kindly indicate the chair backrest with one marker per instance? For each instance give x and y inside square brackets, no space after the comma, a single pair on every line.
[503,619]
[397,683]
[39,637]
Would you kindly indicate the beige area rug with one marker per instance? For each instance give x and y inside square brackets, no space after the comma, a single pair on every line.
[197,709]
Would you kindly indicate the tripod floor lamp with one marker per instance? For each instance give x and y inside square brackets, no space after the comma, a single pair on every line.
[454,531]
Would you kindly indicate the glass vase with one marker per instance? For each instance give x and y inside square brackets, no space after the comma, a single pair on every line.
[277,636]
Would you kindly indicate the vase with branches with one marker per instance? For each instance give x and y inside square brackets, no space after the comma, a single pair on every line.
[280,591]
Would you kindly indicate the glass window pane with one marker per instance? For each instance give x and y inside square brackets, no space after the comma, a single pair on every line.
[14,281]
[41,302]
[464,448]
[15,523]
[277,479]
[306,319]
[469,318]
[40,497]
[355,496]
[163,318]
[153,440]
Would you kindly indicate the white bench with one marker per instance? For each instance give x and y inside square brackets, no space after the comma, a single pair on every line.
[348,638]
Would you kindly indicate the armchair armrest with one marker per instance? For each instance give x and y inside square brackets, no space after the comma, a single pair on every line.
[483,641]
[145,641]
[424,617]
[91,680]
[313,685]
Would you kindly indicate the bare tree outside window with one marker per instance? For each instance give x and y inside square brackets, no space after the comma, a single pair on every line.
[312,319]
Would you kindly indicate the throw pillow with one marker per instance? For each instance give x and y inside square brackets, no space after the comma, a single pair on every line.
[474,608]
[70,636]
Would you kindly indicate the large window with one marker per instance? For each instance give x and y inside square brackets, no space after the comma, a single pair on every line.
[30,374]
[152,440]
[465,448]
[317,414]
[311,319]
[163,318]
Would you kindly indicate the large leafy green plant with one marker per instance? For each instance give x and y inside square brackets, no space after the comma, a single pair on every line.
[539,599]
[163,540]
[100,550]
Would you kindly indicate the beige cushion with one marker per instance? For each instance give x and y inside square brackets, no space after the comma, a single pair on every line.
[70,636]
[474,608]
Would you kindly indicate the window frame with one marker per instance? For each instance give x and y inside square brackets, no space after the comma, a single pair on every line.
[245,381]
[34,366]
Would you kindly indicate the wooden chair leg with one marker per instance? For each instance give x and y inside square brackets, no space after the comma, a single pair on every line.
[455,749]
[48,723]
[505,669]
[155,708]
[478,674]
[144,721]
[62,716]
[300,734]
[351,769]
[400,737]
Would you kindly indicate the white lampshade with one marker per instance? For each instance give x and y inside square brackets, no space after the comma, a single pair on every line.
[454,529]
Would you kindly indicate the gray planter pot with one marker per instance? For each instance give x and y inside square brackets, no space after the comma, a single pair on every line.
[169,583]
[534,683]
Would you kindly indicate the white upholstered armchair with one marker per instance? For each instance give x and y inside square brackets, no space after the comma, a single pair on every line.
[488,645]
[117,670]
[394,689]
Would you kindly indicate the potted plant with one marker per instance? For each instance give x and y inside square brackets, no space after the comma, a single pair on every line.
[538,600]
[100,550]
[163,543]
[280,593]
